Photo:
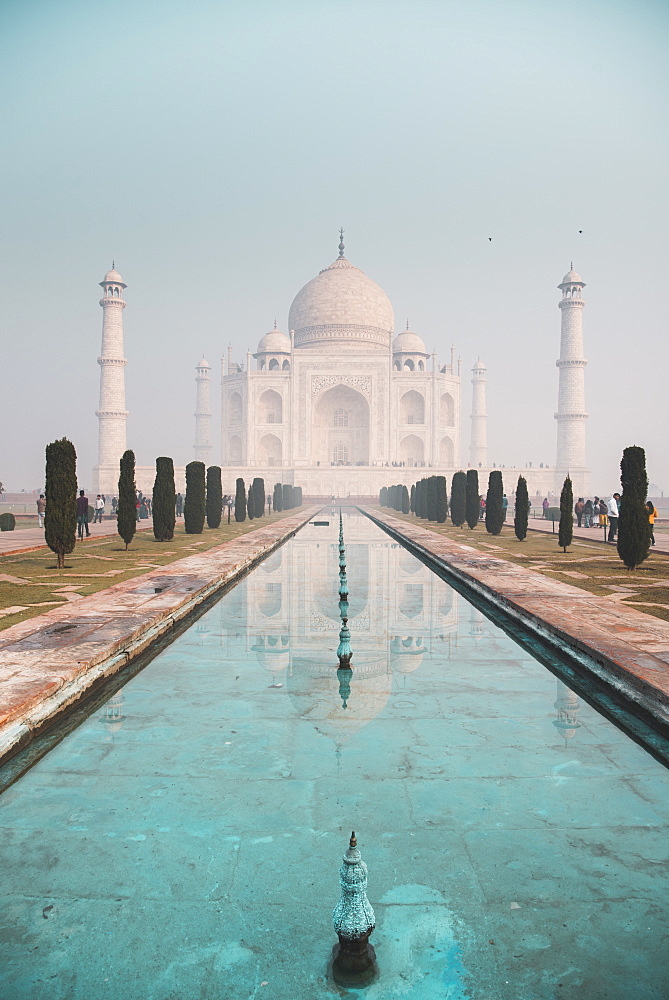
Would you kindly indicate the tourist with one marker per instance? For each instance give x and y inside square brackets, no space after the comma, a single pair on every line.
[143,509]
[505,507]
[652,514]
[578,510]
[481,508]
[612,512]
[138,506]
[179,505]
[82,514]
[587,513]
[41,507]
[545,504]
[269,503]
[99,509]
[114,506]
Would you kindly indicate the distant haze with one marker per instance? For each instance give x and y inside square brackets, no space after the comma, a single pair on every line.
[214,149]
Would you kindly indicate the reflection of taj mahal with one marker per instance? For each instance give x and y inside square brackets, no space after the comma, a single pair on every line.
[340,395]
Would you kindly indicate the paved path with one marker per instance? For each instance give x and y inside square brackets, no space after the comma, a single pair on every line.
[29,539]
[627,650]
[48,663]
[591,534]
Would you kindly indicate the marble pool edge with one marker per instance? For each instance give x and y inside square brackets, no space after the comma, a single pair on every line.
[622,648]
[50,663]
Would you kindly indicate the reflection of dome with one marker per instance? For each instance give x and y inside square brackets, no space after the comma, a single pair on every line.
[274,342]
[314,690]
[274,660]
[406,653]
[342,307]
[408,343]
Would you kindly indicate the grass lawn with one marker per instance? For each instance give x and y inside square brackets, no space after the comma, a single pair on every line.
[589,565]
[30,584]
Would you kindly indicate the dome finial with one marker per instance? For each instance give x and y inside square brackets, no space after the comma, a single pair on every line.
[571,265]
[407,322]
[341,243]
[275,322]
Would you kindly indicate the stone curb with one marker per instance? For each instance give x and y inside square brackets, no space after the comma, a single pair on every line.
[48,663]
[626,650]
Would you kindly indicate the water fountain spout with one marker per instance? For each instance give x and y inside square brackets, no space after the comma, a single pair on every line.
[353,920]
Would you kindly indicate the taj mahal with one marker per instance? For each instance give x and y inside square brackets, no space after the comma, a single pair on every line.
[342,404]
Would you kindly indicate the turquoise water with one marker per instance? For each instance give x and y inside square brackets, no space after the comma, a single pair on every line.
[184,841]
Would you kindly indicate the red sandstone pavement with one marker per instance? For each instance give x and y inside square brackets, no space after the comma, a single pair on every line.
[31,539]
[629,649]
[47,663]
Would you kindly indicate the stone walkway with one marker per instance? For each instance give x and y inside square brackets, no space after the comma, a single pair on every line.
[47,663]
[30,539]
[626,649]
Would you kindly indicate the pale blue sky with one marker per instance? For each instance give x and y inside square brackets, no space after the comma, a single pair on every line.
[214,149]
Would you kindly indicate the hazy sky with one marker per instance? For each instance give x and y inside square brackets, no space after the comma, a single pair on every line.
[214,149]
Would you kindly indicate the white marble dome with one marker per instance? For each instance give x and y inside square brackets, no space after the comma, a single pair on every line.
[274,342]
[113,276]
[341,308]
[572,278]
[408,342]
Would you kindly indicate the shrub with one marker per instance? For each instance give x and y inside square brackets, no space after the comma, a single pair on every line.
[442,499]
[194,505]
[214,506]
[240,501]
[258,491]
[383,496]
[287,498]
[60,519]
[164,500]
[126,508]
[405,500]
[566,532]
[634,529]
[472,500]
[522,509]
[7,521]
[277,497]
[494,511]
[459,499]
[412,500]
[297,494]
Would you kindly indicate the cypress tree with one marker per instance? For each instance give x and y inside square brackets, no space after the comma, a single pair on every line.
[634,528]
[60,520]
[258,491]
[240,501]
[250,503]
[126,510]
[277,497]
[522,509]
[164,499]
[405,500]
[566,532]
[383,496]
[421,498]
[298,496]
[458,499]
[442,499]
[214,496]
[472,501]
[431,498]
[494,512]
[194,505]
[412,500]
[287,498]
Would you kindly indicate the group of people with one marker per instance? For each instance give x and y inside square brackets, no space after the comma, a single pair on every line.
[600,512]
[482,506]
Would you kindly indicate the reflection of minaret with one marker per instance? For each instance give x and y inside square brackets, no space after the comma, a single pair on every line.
[112,713]
[571,415]
[568,706]
[475,623]
[478,451]
[202,447]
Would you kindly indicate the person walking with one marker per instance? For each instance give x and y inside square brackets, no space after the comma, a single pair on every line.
[613,513]
[82,514]
[652,514]
[578,510]
[587,513]
[41,507]
[268,498]
[99,509]
[179,505]
[545,504]
[505,506]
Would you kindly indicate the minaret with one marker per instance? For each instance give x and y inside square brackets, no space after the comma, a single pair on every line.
[571,415]
[478,450]
[112,414]
[202,448]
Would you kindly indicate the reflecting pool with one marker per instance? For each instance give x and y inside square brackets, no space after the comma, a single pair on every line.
[184,841]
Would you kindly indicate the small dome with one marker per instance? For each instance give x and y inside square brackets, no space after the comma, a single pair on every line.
[408,342]
[203,363]
[479,366]
[275,342]
[572,278]
[114,276]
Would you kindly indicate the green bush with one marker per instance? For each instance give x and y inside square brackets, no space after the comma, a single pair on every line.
[194,505]
[214,506]
[240,501]
[522,509]
[459,499]
[126,509]
[60,519]
[163,504]
[566,532]
[473,503]
[412,500]
[277,497]
[287,496]
[441,499]
[383,496]
[494,510]
[297,495]
[634,529]
[258,492]
[7,521]
[405,500]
